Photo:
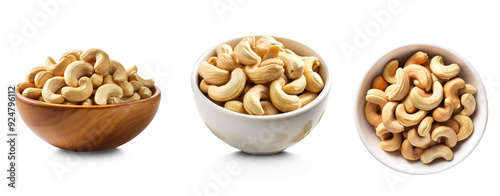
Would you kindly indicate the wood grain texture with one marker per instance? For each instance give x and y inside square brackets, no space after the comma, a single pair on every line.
[88,128]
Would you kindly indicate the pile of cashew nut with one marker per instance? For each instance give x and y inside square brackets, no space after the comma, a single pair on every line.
[422,108]
[260,77]
[85,78]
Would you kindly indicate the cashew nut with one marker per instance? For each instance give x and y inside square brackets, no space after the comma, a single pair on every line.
[226,62]
[451,90]
[231,89]
[307,97]
[109,80]
[57,68]
[235,106]
[106,91]
[389,72]
[24,85]
[447,133]
[443,71]
[379,83]
[267,71]
[410,153]
[372,115]
[203,86]
[75,53]
[417,58]
[244,53]
[419,141]
[294,65]
[116,100]
[469,103]
[409,107]
[382,132]
[75,71]
[251,101]
[376,96]
[268,107]
[88,102]
[137,85]
[272,52]
[469,88]
[427,103]
[401,87]
[98,57]
[97,80]
[314,82]
[30,77]
[422,76]
[128,89]
[311,61]
[435,152]
[393,143]
[51,87]
[32,93]
[212,74]
[224,49]
[296,87]
[42,77]
[466,126]
[264,42]
[131,69]
[424,128]
[117,70]
[145,92]
[282,101]
[443,114]
[80,93]
[450,123]
[147,83]
[409,120]
[388,119]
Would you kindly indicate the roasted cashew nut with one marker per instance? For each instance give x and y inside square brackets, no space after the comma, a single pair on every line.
[372,115]
[58,68]
[389,120]
[295,87]
[118,71]
[294,65]
[389,72]
[106,91]
[443,71]
[379,83]
[418,58]
[211,74]
[422,76]
[307,97]
[235,106]
[469,103]
[446,132]
[80,93]
[410,153]
[443,114]
[282,101]
[392,144]
[231,89]
[42,77]
[466,126]
[451,91]
[419,141]
[435,152]
[244,53]
[427,103]
[251,101]
[264,42]
[51,87]
[98,57]
[75,71]
[409,120]
[401,87]
[116,100]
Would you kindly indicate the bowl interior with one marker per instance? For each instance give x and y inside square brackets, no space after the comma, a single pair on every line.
[295,46]
[394,160]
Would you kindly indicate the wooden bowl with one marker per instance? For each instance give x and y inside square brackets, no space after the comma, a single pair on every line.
[88,128]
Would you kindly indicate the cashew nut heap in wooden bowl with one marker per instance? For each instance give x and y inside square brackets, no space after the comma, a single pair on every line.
[421,108]
[260,77]
[86,101]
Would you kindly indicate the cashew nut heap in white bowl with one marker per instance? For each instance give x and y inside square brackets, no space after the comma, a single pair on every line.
[412,106]
[262,87]
[85,78]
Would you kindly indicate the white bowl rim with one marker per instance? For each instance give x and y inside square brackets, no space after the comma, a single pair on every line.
[321,96]
[452,164]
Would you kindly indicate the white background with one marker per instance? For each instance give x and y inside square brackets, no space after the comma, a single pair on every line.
[176,153]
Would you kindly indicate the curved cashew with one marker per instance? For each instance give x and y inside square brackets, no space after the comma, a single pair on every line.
[80,93]
[268,107]
[226,62]
[106,91]
[24,85]
[251,101]
[128,89]
[427,103]
[235,106]
[98,57]
[223,49]
[469,88]
[147,83]
[446,132]
[294,65]
[401,87]
[75,71]
[418,58]
[307,97]
[211,74]
[409,107]
[425,126]
[117,70]
[51,87]
[109,80]
[435,78]
[311,61]
[116,100]
[419,141]
[244,53]
[435,152]
[145,92]
[203,86]
[272,52]
[32,93]
[30,77]
[409,120]
[443,114]
[422,76]
[97,80]
[393,143]
[379,83]
[466,126]
[42,77]
[389,72]
[388,119]
[296,87]
[376,96]
[131,69]
[372,115]
[282,101]
[231,89]
[450,123]
[267,71]
[57,68]
[264,42]
[212,61]
[443,71]
[75,53]
[137,85]
[382,132]
[410,153]
[469,103]
[314,82]
[451,91]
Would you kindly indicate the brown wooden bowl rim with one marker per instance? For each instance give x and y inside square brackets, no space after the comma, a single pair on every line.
[29,101]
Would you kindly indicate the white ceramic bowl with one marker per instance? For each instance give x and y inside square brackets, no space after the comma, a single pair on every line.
[261,134]
[394,160]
